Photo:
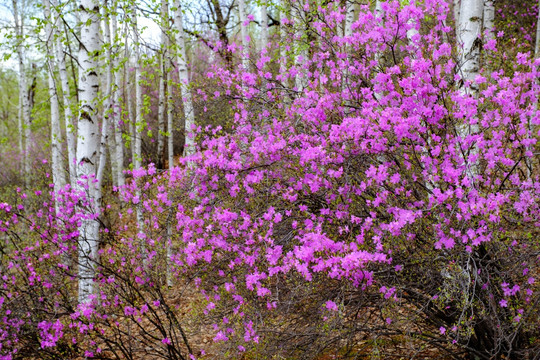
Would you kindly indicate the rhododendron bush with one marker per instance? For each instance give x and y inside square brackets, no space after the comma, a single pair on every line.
[348,212]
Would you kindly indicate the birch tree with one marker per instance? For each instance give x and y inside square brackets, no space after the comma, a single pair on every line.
[59,178]
[489,18]
[189,112]
[108,83]
[244,34]
[24,103]
[283,37]
[264,24]
[470,30]
[457,12]
[162,97]
[116,115]
[66,96]
[349,18]
[138,93]
[88,143]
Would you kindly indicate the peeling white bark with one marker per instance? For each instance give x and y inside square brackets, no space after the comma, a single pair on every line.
[470,31]
[88,143]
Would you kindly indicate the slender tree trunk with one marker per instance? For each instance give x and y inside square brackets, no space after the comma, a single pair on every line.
[185,92]
[59,178]
[170,119]
[457,14]
[470,30]
[162,81]
[349,18]
[244,34]
[489,19]
[116,113]
[88,143]
[23,94]
[411,32]
[139,126]
[132,119]
[301,57]
[107,102]
[66,97]
[283,37]
[264,24]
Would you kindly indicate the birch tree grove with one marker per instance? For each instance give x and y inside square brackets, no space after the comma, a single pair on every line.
[88,141]
[356,179]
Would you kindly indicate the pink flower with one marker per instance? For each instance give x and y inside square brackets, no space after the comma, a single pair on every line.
[330,305]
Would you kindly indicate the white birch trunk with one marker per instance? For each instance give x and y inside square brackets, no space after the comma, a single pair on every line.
[349,18]
[25,111]
[170,119]
[59,178]
[132,119]
[411,32]
[138,95]
[162,81]
[457,14]
[301,57]
[66,97]
[116,113]
[189,112]
[264,25]
[470,30]
[489,19]
[378,14]
[88,143]
[139,127]
[244,34]
[283,37]
[107,103]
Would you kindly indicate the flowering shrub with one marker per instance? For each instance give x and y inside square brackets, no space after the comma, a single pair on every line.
[334,217]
